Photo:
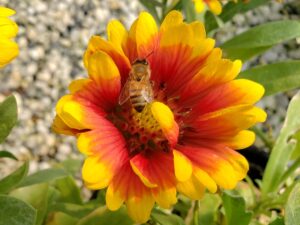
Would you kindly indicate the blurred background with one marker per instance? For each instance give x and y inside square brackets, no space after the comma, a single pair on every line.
[52,38]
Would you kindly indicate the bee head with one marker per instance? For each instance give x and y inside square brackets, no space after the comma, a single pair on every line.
[140,61]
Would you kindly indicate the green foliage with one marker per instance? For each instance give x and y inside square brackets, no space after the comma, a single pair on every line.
[292,207]
[6,154]
[283,149]
[276,77]
[232,8]
[260,38]
[166,219]
[43,176]
[16,212]
[13,179]
[8,118]
[209,205]
[102,216]
[37,197]
[278,221]
[235,210]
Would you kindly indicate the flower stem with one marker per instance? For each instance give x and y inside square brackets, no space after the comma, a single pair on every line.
[196,213]
[269,143]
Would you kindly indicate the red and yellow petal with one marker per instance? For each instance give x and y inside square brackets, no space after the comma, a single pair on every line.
[127,187]
[220,123]
[221,164]
[96,173]
[97,44]
[235,92]
[79,115]
[215,72]
[182,166]
[146,35]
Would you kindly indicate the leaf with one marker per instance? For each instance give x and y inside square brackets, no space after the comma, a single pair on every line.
[74,210]
[232,8]
[16,212]
[69,192]
[8,118]
[166,219]
[292,208]
[261,38]
[244,54]
[37,197]
[102,216]
[43,176]
[6,154]
[13,179]
[208,211]
[182,206]
[189,10]
[211,22]
[283,149]
[59,218]
[278,221]
[235,209]
[276,77]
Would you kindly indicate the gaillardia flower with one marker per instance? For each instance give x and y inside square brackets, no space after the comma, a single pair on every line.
[214,5]
[184,139]
[8,30]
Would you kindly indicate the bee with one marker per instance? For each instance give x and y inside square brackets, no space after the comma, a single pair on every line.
[138,87]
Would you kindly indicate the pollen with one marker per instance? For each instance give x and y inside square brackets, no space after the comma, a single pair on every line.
[140,129]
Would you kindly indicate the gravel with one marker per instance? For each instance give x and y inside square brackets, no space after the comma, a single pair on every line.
[52,38]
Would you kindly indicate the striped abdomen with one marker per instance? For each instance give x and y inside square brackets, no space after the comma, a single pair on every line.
[137,99]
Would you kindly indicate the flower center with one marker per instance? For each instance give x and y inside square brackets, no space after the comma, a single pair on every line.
[140,130]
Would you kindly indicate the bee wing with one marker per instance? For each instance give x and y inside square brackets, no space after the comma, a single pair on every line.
[124,95]
[147,93]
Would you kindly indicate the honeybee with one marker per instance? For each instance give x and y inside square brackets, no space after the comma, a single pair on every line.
[138,87]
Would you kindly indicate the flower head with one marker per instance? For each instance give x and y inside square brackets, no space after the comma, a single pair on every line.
[214,5]
[8,30]
[182,138]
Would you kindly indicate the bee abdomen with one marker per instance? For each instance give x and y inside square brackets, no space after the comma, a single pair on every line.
[138,102]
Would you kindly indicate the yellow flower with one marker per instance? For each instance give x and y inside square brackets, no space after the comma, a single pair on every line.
[8,30]
[184,139]
[214,5]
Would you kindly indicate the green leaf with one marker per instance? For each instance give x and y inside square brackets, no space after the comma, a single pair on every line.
[15,212]
[182,206]
[283,149]
[208,211]
[59,218]
[292,208]
[276,77]
[244,54]
[278,221]
[6,154]
[102,216]
[13,179]
[189,10]
[36,196]
[232,8]
[74,210]
[260,38]
[166,219]
[69,192]
[42,176]
[235,210]
[211,22]
[8,118]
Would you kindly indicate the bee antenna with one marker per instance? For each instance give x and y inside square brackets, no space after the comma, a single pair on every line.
[149,54]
